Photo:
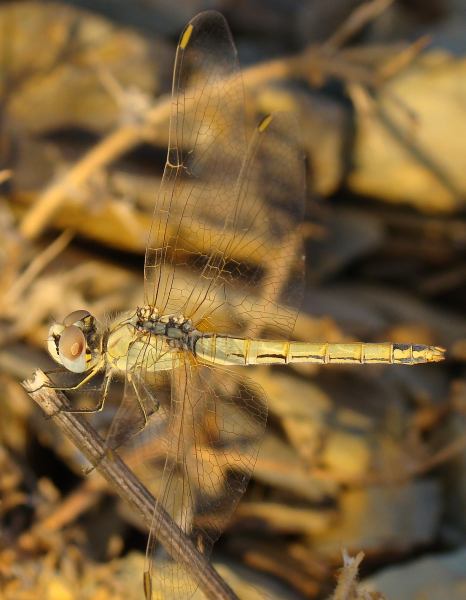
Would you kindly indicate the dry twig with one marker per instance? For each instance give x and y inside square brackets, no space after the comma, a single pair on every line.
[128,486]
[359,18]
[36,267]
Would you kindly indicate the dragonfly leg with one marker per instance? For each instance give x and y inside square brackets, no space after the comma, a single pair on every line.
[106,385]
[136,408]
[103,388]
[63,388]
[141,402]
[46,384]
[100,405]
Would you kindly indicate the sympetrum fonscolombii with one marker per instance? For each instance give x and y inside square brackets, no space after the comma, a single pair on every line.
[224,210]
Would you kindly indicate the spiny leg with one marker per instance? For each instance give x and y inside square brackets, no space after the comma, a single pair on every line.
[103,396]
[52,386]
[104,388]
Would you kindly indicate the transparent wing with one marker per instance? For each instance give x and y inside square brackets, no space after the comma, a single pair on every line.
[227,215]
[206,138]
[224,250]
[209,434]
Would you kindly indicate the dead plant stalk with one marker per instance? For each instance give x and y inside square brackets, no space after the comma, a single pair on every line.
[128,486]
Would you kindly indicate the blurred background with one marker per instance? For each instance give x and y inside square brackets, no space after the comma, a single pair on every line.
[365,459]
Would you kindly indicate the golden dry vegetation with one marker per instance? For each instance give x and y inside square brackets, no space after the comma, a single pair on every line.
[357,461]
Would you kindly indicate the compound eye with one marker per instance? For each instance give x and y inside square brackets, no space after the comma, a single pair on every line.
[75,316]
[72,349]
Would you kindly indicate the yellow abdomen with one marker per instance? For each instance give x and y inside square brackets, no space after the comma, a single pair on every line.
[226,350]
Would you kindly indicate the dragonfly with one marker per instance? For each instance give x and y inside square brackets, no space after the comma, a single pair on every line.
[223,279]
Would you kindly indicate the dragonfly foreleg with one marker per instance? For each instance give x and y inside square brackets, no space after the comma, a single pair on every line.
[69,388]
[103,396]
[103,389]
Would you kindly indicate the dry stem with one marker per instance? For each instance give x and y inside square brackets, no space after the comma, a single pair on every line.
[128,486]
[359,18]
[36,266]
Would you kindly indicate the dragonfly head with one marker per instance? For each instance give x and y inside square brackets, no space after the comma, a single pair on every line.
[77,342]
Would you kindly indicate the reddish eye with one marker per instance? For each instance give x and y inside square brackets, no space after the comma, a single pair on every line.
[74,317]
[72,343]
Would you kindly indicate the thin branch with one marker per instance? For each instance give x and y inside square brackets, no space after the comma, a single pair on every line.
[359,18]
[402,60]
[347,585]
[102,154]
[128,486]
[36,266]
[84,497]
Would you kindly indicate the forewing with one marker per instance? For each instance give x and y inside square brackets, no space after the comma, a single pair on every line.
[228,214]
[211,436]
[206,143]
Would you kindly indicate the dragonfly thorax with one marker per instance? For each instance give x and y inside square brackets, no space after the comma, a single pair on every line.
[177,329]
